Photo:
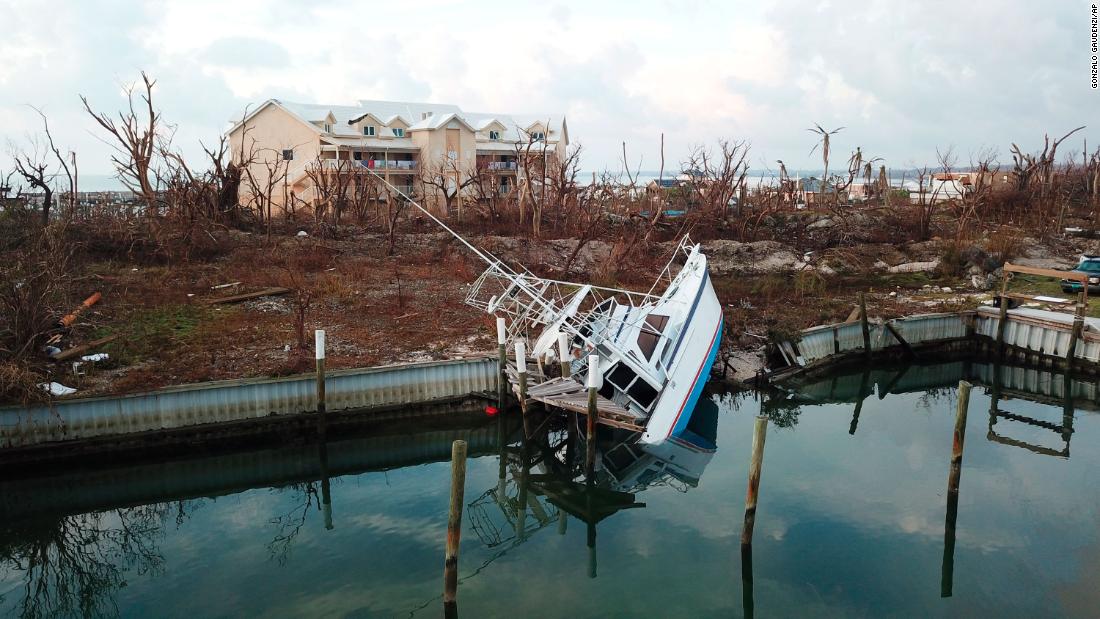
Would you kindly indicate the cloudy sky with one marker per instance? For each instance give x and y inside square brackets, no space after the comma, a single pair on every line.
[903,78]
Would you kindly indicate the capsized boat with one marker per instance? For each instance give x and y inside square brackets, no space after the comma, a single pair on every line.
[655,350]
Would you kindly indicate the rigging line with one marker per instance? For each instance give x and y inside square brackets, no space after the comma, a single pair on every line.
[490,259]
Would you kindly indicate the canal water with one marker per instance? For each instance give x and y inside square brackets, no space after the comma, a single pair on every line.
[852,517]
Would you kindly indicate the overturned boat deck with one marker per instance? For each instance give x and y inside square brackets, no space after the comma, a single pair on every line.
[572,396]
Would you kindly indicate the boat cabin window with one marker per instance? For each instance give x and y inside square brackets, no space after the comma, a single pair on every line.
[651,334]
[621,376]
[624,378]
[642,393]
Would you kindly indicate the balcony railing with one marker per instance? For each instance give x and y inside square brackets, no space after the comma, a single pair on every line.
[502,165]
[378,164]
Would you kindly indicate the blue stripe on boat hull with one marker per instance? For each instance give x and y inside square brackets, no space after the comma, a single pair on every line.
[697,390]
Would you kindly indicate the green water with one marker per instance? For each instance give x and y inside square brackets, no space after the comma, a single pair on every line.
[851,520]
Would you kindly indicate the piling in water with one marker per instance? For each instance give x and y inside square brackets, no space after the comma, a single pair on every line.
[746,580]
[319,354]
[958,437]
[521,369]
[593,412]
[1002,324]
[563,354]
[502,380]
[454,528]
[758,436]
[864,326]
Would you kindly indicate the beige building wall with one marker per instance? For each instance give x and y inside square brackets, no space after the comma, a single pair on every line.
[262,139]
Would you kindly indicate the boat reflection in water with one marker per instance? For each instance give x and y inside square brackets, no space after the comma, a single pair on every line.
[542,479]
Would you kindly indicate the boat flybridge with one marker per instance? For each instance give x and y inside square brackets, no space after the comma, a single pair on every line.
[655,350]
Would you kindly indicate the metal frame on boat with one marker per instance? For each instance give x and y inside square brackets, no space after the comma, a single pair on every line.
[655,351]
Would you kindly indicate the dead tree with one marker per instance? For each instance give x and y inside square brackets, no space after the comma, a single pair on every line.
[447,180]
[135,142]
[37,171]
[716,178]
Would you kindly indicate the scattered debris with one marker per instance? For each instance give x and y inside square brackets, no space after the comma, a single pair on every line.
[99,356]
[229,285]
[302,233]
[70,318]
[915,267]
[80,350]
[269,305]
[57,389]
[266,292]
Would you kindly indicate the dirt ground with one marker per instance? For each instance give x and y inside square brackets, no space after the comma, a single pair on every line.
[380,309]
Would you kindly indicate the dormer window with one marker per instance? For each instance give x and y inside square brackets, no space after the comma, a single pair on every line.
[368,130]
[328,127]
[398,132]
[425,115]
[494,135]
[538,136]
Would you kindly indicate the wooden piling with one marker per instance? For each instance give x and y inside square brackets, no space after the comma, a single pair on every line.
[1002,324]
[1078,327]
[947,570]
[521,368]
[747,604]
[864,325]
[319,354]
[563,355]
[454,527]
[502,380]
[593,411]
[757,459]
[959,436]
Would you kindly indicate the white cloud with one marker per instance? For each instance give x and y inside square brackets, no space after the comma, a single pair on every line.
[902,78]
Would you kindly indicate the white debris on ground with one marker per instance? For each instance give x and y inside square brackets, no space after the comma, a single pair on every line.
[268,305]
[57,389]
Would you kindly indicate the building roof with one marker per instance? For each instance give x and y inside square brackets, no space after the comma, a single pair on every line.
[420,116]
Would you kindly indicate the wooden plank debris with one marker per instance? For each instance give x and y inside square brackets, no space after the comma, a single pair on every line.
[80,350]
[1070,275]
[237,298]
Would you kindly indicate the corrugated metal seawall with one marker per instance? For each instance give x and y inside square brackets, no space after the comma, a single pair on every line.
[1040,331]
[224,401]
[819,343]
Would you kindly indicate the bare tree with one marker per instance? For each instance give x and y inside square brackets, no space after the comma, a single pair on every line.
[135,141]
[35,167]
[447,180]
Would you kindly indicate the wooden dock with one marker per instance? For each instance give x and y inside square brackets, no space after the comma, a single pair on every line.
[572,396]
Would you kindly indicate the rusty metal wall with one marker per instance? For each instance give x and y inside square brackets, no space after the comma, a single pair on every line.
[224,401]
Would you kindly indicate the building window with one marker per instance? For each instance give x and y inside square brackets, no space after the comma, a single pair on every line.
[398,132]
[357,155]
[494,135]
[425,115]
[538,136]
[288,154]
[328,128]
[368,130]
